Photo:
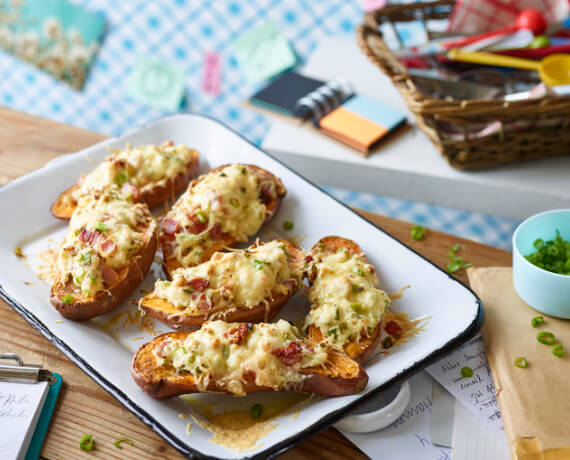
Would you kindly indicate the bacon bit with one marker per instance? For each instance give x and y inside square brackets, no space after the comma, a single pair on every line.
[130,189]
[108,246]
[289,355]
[110,276]
[291,284]
[195,226]
[89,237]
[203,304]
[198,284]
[120,163]
[393,328]
[169,226]
[216,232]
[237,334]
[309,259]
[267,194]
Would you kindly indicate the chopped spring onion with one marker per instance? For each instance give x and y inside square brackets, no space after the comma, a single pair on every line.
[456,263]
[258,264]
[234,202]
[552,255]
[547,338]
[357,308]
[117,443]
[521,362]
[387,342]
[255,411]
[201,216]
[100,226]
[226,351]
[87,442]
[67,299]
[288,225]
[466,372]
[417,232]
[537,321]
[558,350]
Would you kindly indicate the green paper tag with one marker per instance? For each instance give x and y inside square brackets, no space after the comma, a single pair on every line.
[156,83]
[263,52]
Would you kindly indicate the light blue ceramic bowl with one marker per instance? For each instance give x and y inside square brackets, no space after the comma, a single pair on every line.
[544,291]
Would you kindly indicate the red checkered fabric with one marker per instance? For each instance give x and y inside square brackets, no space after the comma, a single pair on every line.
[476,16]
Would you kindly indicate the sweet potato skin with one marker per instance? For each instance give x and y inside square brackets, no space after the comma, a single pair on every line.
[162,310]
[171,263]
[104,301]
[64,205]
[363,349]
[162,382]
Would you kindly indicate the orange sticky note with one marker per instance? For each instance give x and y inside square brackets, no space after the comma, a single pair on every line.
[352,129]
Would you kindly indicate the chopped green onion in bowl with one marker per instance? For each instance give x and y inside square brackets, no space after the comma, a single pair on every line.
[551,255]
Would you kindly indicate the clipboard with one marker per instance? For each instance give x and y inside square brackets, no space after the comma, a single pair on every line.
[20,372]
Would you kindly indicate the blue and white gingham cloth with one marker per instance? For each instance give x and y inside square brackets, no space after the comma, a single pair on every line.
[181,32]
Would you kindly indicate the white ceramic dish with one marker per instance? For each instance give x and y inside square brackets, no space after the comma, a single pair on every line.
[454,312]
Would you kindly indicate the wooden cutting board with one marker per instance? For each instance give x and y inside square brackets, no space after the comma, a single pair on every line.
[28,143]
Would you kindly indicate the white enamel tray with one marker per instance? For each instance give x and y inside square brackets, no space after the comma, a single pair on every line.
[454,312]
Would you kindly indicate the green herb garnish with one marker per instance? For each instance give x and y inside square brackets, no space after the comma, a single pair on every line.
[466,372]
[234,202]
[357,308]
[201,216]
[387,342]
[67,299]
[456,263]
[122,178]
[558,350]
[552,255]
[87,442]
[546,338]
[359,271]
[521,362]
[255,411]
[85,258]
[100,226]
[537,321]
[288,225]
[333,331]
[226,351]
[258,264]
[117,443]
[417,232]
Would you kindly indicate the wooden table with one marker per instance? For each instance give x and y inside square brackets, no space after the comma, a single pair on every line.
[84,407]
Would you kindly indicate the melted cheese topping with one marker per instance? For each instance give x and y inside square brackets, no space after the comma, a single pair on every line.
[241,278]
[105,231]
[210,355]
[144,167]
[229,200]
[346,301]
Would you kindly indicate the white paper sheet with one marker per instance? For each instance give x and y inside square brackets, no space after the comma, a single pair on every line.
[476,393]
[408,438]
[20,408]
[471,441]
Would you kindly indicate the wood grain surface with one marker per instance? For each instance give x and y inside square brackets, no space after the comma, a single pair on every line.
[84,407]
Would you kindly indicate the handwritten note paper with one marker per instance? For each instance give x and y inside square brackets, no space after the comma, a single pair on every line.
[408,438]
[20,407]
[477,393]
[212,73]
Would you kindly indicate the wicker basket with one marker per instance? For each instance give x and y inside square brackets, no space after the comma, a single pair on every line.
[515,131]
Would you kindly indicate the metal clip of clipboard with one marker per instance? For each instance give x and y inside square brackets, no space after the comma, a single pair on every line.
[21,372]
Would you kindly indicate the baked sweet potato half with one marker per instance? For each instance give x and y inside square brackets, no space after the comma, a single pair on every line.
[239,285]
[106,254]
[346,303]
[149,173]
[220,208]
[240,359]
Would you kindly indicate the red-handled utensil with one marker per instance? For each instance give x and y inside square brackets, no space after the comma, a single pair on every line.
[530,19]
[536,53]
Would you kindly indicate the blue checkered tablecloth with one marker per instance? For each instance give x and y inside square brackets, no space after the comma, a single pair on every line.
[181,32]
